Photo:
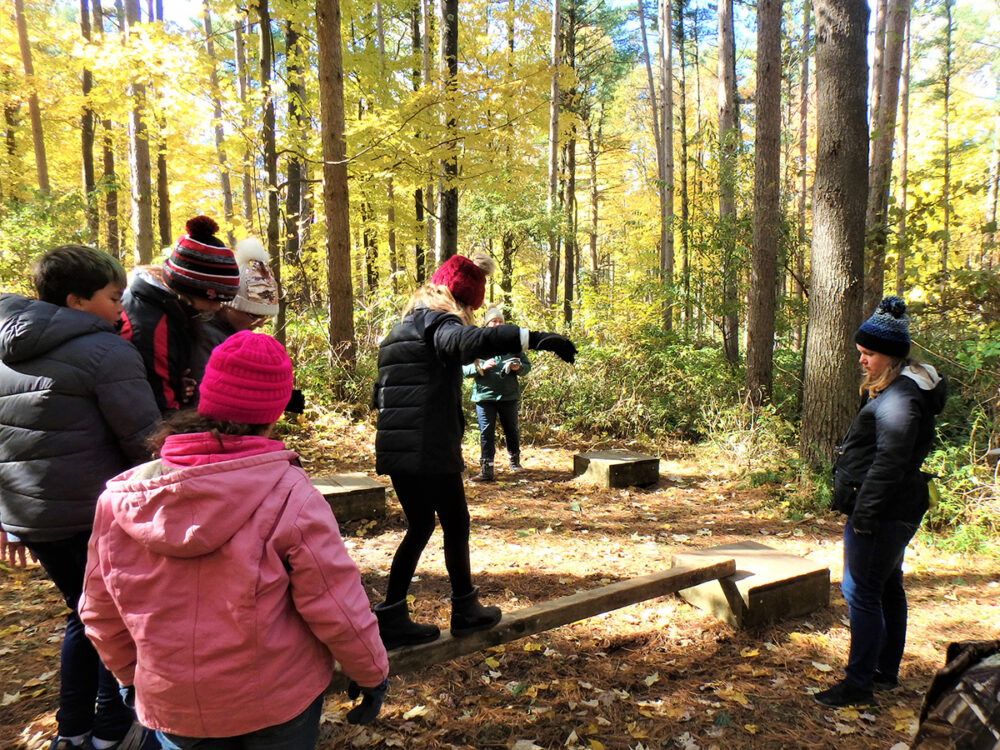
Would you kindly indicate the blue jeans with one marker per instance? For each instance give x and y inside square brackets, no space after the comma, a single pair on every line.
[88,692]
[873,589]
[299,733]
[487,413]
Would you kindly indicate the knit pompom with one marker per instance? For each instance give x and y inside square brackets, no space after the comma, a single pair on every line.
[201,227]
[485,262]
[249,249]
[893,305]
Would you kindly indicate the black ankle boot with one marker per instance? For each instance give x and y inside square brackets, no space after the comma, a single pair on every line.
[397,629]
[469,616]
[485,472]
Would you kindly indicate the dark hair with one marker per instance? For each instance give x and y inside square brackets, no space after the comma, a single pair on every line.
[189,420]
[74,269]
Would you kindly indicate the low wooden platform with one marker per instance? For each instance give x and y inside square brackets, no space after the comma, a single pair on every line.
[768,584]
[617,468]
[549,615]
[352,496]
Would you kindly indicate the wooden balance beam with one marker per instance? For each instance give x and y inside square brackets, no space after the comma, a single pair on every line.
[548,615]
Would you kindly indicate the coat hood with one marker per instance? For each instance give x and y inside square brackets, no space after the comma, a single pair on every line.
[189,512]
[30,328]
[933,386]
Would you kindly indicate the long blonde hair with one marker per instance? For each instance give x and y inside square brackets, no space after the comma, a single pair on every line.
[438,297]
[876,385]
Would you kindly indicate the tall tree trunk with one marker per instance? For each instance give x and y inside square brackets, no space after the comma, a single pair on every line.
[552,205]
[766,215]
[988,256]
[270,154]
[946,188]
[87,135]
[447,244]
[594,198]
[243,90]
[831,375]
[666,190]
[162,180]
[569,187]
[800,265]
[685,201]
[902,239]
[430,229]
[877,68]
[298,133]
[390,213]
[37,136]
[419,257]
[112,237]
[880,168]
[728,149]
[220,151]
[340,297]
[138,137]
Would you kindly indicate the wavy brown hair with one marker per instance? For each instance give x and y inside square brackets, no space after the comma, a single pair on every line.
[876,385]
[190,421]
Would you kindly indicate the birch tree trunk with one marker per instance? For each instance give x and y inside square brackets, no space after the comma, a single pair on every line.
[830,394]
[800,265]
[666,187]
[685,201]
[340,297]
[270,154]
[569,194]
[243,90]
[766,217]
[902,238]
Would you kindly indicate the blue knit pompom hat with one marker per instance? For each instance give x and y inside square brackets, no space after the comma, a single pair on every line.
[887,330]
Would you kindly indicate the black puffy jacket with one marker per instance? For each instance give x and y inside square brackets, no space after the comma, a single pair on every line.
[418,392]
[75,410]
[877,474]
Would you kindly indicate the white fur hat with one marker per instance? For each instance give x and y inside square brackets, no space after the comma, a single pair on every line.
[493,312]
[258,294]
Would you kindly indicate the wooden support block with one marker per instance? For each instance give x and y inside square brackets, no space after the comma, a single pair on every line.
[617,468]
[768,585]
[352,496]
[549,615]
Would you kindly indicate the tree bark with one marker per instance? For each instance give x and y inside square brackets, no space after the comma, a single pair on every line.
[685,201]
[112,239]
[882,138]
[666,187]
[430,227]
[37,136]
[552,204]
[989,259]
[419,257]
[569,186]
[340,297]
[946,188]
[87,120]
[800,266]
[766,216]
[139,171]
[220,151]
[298,133]
[447,244]
[728,149]
[902,240]
[243,89]
[831,375]
[270,154]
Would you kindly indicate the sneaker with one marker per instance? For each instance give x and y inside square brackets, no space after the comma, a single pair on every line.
[884,682]
[844,694]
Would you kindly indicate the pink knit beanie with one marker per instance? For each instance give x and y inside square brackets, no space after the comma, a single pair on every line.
[248,379]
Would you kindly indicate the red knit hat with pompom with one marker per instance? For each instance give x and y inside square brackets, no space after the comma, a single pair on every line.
[200,265]
[248,379]
[465,280]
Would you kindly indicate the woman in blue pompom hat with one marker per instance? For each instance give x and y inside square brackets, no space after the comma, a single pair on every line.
[879,486]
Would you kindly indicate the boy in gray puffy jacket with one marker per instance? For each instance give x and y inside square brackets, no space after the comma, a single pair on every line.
[75,410]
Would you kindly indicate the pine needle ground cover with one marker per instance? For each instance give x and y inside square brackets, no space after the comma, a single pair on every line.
[658,674]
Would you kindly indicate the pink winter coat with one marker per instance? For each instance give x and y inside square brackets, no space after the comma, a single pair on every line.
[222,590]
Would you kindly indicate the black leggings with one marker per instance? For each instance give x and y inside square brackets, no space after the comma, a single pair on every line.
[422,496]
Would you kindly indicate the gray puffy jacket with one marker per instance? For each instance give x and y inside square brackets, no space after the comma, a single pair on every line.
[75,410]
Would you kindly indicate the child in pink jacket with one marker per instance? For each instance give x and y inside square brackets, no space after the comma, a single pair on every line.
[217,582]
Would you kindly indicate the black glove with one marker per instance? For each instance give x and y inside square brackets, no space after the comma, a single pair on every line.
[127,693]
[556,343]
[864,527]
[366,711]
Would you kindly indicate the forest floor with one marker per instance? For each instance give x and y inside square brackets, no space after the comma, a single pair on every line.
[656,674]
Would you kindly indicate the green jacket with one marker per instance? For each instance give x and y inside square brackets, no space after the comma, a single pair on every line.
[494,384]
